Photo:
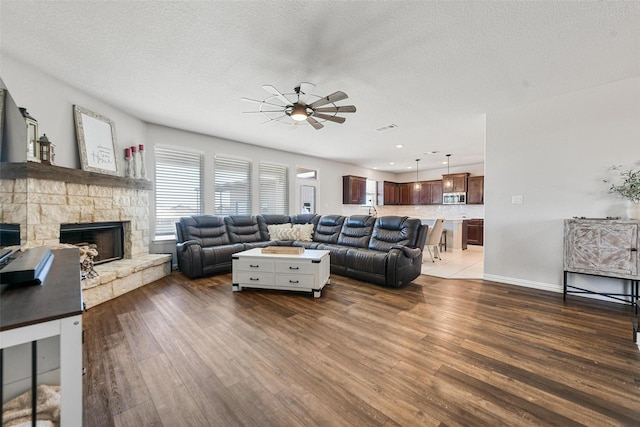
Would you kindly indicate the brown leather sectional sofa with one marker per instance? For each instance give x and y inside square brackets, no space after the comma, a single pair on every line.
[386,250]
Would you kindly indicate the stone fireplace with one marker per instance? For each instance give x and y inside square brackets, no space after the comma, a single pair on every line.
[43,199]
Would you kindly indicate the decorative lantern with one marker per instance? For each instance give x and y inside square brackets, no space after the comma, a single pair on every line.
[33,151]
[46,150]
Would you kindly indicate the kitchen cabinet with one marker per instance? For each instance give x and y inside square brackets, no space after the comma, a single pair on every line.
[435,189]
[475,232]
[354,190]
[603,247]
[407,190]
[388,193]
[475,193]
[455,183]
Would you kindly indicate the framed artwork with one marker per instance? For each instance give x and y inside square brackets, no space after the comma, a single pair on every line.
[96,136]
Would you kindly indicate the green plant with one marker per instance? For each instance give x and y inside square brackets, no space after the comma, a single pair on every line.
[627,185]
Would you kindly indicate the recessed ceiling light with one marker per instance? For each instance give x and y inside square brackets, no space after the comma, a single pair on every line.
[444,163]
[399,146]
[392,163]
[375,167]
[408,167]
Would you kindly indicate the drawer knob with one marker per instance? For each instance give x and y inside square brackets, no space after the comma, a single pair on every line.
[294,281]
[254,265]
[634,249]
[254,279]
[294,268]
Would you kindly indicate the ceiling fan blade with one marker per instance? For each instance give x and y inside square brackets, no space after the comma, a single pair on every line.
[313,122]
[263,111]
[305,91]
[341,109]
[334,97]
[273,91]
[275,119]
[257,101]
[330,118]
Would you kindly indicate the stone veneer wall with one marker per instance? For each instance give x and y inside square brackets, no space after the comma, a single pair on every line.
[41,197]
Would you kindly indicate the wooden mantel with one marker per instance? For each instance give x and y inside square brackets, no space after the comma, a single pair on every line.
[76,176]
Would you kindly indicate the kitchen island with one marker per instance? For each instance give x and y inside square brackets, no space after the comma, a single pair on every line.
[456,229]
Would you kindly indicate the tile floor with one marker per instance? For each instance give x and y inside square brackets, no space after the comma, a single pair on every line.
[467,264]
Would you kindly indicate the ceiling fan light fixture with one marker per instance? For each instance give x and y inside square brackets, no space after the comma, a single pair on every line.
[299,113]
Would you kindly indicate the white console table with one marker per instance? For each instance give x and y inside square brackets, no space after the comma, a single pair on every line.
[307,272]
[41,336]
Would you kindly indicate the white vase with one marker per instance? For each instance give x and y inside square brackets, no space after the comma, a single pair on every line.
[633,210]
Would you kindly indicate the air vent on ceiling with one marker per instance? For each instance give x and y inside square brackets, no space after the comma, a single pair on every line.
[383,128]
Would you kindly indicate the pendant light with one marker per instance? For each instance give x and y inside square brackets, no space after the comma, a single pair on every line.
[447,182]
[417,186]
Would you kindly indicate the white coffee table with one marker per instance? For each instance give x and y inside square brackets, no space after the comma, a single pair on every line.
[307,272]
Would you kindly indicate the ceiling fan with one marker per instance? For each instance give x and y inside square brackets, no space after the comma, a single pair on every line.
[301,105]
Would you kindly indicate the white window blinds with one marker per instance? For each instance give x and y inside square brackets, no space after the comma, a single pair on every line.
[178,188]
[274,189]
[232,182]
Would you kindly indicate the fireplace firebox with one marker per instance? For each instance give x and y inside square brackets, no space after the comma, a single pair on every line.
[108,237]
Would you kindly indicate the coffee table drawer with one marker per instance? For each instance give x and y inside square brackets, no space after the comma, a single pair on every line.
[295,267]
[257,278]
[295,280]
[245,264]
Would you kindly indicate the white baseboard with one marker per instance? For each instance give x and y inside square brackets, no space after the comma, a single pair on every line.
[525,283]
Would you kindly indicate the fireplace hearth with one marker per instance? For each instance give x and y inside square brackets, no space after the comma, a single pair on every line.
[108,238]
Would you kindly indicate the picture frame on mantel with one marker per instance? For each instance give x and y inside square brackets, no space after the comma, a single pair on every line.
[96,137]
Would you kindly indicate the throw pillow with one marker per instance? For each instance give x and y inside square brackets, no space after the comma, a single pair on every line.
[305,232]
[289,234]
[276,230]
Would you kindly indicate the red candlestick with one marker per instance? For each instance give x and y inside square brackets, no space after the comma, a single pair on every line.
[141,147]
[134,149]
[127,153]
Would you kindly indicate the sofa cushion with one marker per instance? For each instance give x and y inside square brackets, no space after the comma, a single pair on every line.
[276,231]
[305,219]
[305,232]
[392,230]
[243,229]
[328,229]
[356,231]
[206,230]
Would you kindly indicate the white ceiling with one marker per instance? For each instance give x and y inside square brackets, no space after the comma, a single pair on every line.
[431,68]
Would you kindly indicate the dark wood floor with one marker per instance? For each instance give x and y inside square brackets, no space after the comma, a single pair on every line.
[438,352]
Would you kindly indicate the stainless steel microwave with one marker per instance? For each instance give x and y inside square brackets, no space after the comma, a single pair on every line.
[454,199]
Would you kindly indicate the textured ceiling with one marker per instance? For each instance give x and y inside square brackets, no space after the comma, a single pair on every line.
[431,68]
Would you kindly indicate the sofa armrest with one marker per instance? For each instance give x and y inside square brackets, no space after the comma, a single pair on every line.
[190,259]
[184,245]
[407,251]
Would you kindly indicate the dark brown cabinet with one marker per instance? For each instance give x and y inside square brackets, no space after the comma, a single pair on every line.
[435,192]
[475,192]
[455,183]
[406,193]
[354,190]
[475,232]
[388,193]
[410,193]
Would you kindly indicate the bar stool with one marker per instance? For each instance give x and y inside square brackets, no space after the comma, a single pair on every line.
[443,241]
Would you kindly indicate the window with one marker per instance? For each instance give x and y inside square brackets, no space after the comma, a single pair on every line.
[178,188]
[232,181]
[274,189]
